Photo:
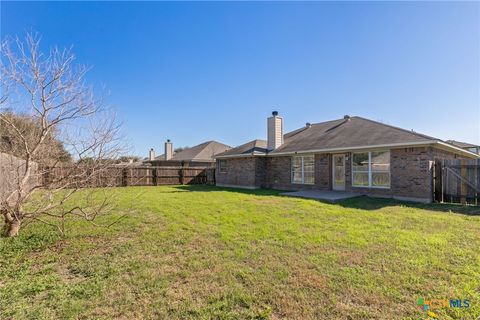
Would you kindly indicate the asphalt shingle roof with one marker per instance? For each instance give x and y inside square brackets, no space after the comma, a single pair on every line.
[206,151]
[336,134]
[347,133]
[247,149]
[462,144]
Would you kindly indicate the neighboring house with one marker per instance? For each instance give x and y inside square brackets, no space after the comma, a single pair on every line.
[467,146]
[352,154]
[202,155]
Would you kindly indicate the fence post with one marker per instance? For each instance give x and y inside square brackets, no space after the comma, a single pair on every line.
[181,174]
[477,181]
[46,176]
[463,185]
[154,176]
[124,177]
[444,180]
[437,181]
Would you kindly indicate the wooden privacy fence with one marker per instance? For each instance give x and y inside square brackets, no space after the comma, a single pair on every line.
[11,173]
[157,176]
[457,181]
[117,176]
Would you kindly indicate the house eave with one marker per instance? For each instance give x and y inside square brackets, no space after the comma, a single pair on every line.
[357,148]
[448,147]
[242,155]
[440,144]
[437,143]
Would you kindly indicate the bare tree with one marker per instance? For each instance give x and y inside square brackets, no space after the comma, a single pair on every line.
[39,184]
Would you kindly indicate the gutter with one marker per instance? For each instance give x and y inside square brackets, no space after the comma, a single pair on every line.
[459,150]
[243,155]
[442,145]
[366,147]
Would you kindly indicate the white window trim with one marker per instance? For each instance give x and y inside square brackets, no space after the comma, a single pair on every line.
[303,170]
[370,186]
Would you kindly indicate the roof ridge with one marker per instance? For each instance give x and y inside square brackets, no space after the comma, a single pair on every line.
[294,132]
[323,122]
[398,128]
[302,129]
[337,125]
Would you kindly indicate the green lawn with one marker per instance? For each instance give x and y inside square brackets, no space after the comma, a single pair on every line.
[204,252]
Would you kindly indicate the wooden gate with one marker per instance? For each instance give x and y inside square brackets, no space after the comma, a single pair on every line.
[457,181]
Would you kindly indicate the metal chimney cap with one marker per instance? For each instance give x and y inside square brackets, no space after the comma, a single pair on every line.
[151,149]
[168,140]
[274,113]
[346,117]
[308,124]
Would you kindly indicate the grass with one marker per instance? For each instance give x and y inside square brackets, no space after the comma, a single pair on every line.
[202,252]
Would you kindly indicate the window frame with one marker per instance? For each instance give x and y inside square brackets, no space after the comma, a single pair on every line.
[362,171]
[302,169]
[370,171]
[220,161]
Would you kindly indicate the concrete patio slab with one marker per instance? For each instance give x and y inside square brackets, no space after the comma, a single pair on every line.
[329,196]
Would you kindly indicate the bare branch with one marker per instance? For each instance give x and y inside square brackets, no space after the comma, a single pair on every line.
[61,136]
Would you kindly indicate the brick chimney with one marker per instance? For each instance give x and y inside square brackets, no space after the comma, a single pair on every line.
[151,154]
[274,131]
[168,150]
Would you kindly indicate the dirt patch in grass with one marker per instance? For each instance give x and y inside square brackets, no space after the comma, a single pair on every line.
[69,275]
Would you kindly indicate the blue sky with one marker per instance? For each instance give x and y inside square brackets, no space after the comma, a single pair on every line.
[193,72]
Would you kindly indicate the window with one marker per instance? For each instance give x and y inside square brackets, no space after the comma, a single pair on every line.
[222,166]
[303,169]
[371,169]
[360,169]
[473,149]
[380,167]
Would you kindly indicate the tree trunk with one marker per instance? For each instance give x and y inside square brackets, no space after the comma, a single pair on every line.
[12,228]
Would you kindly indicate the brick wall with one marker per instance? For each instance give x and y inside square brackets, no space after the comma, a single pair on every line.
[410,174]
[260,172]
[246,172]
[279,173]
[323,171]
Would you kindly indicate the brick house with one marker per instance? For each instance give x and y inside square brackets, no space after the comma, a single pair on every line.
[352,154]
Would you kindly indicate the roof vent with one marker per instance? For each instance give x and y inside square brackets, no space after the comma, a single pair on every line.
[346,117]
[308,124]
[274,113]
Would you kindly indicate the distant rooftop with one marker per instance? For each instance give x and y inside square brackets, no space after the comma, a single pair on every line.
[462,144]
[205,151]
[248,149]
